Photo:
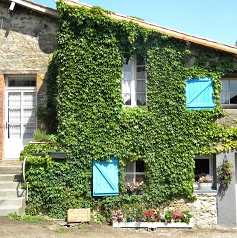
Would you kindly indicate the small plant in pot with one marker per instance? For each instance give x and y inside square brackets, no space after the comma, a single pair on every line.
[117,216]
[205,182]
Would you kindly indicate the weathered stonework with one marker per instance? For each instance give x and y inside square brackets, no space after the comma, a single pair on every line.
[204,209]
[27,40]
[230,119]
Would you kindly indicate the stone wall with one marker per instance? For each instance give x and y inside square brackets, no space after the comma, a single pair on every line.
[204,209]
[230,119]
[27,40]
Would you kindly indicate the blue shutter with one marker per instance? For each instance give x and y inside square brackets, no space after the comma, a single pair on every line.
[199,94]
[105,178]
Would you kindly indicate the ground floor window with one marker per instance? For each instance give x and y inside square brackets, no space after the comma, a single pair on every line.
[205,165]
[135,177]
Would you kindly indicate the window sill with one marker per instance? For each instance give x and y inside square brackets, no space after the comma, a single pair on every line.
[213,192]
[229,106]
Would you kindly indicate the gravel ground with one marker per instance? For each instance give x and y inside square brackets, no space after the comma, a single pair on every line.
[49,229]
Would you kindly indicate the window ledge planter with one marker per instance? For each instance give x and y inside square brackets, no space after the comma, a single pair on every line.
[58,155]
[152,224]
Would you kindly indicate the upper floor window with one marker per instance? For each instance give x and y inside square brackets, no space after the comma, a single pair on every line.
[228,97]
[134,82]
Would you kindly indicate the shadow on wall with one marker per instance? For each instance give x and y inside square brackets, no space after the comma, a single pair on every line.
[30,23]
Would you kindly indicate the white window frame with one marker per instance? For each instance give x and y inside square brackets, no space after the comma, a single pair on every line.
[212,169]
[134,173]
[210,159]
[228,105]
[134,80]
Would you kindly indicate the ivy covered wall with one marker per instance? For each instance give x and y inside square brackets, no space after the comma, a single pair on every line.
[94,125]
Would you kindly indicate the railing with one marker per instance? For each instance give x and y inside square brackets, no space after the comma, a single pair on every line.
[24,177]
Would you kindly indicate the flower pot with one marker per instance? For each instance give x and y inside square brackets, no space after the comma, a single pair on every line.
[205,186]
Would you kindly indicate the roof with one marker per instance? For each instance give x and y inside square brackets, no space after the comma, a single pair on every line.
[167,31]
[37,7]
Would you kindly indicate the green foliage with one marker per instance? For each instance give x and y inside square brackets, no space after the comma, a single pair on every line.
[41,136]
[84,95]
[225,174]
[27,218]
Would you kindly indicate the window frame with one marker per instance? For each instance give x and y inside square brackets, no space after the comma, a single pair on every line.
[212,169]
[134,173]
[229,105]
[134,79]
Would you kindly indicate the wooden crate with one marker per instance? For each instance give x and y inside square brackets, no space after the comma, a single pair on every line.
[79,215]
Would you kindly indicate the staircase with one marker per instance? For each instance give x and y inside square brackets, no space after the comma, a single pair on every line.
[12,197]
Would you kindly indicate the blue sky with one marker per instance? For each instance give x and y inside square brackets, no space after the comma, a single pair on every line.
[211,19]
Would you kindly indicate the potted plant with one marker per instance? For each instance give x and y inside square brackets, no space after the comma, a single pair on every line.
[225,174]
[205,182]
[135,188]
[117,216]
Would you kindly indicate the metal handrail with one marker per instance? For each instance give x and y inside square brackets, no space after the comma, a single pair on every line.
[24,176]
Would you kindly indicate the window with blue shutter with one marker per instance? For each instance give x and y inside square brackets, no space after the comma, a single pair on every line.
[199,94]
[105,178]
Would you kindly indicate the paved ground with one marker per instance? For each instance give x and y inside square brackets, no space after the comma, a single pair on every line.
[18,229]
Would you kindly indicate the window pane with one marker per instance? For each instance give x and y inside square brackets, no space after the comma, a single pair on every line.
[129,178]
[141,86]
[224,84]
[140,166]
[233,85]
[141,73]
[126,86]
[127,98]
[224,98]
[141,99]
[201,166]
[21,82]
[233,98]
[129,167]
[140,60]
[127,71]
[140,178]
[14,131]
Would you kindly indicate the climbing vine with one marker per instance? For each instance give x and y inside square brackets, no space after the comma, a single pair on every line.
[94,125]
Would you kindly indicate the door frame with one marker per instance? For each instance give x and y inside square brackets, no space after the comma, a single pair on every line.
[6,112]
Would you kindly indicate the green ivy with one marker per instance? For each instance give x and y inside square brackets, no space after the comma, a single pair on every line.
[84,81]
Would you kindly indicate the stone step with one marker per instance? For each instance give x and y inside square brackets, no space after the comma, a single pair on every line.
[10,185]
[12,193]
[15,202]
[10,178]
[6,210]
[10,162]
[10,169]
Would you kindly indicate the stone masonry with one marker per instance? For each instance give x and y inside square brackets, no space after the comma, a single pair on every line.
[204,209]
[27,40]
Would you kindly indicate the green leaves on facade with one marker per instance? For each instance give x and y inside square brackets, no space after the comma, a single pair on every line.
[93,124]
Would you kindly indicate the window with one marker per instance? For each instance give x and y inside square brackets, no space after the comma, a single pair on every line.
[135,171]
[199,94]
[228,95]
[134,82]
[21,81]
[205,165]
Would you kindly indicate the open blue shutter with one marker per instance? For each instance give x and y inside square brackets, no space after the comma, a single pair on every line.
[105,178]
[199,94]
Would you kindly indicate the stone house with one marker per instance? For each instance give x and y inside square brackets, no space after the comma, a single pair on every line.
[28,39]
